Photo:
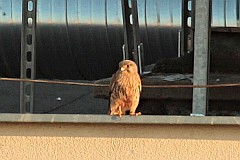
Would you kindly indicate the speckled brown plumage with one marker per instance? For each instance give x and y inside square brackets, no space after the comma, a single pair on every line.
[125,88]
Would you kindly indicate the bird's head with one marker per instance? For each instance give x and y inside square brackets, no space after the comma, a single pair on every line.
[128,66]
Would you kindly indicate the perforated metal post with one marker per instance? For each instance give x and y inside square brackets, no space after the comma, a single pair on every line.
[238,13]
[131,33]
[28,55]
[188,24]
[201,55]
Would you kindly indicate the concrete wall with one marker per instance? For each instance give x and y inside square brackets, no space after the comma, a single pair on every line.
[63,141]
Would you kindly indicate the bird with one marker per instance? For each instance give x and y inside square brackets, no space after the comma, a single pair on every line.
[125,89]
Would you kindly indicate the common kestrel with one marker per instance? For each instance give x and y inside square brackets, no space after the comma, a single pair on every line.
[125,88]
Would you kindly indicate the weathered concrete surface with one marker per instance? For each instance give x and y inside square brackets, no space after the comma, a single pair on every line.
[107,119]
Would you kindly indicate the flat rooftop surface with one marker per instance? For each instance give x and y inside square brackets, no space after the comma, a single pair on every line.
[75,99]
[53,99]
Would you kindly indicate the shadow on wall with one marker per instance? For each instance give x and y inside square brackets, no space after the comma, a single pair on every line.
[187,132]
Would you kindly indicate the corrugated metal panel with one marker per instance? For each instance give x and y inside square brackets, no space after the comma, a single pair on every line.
[79,39]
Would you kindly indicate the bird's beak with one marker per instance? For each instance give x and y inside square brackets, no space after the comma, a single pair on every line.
[122,68]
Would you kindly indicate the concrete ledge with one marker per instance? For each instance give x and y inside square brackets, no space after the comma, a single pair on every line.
[103,119]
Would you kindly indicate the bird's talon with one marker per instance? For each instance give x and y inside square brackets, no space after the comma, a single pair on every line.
[136,114]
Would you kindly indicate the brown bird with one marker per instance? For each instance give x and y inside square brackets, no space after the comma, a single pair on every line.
[125,89]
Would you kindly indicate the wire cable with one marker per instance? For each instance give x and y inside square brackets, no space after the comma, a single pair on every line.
[107,85]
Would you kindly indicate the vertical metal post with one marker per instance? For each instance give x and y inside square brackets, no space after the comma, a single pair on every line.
[187,33]
[201,55]
[28,54]
[131,33]
[237,12]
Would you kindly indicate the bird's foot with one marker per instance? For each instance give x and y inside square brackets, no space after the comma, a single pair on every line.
[136,114]
[116,114]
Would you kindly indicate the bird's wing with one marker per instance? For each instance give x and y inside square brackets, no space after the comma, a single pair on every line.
[112,83]
[139,84]
[111,87]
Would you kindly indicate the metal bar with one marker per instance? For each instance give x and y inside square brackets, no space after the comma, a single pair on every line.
[135,26]
[124,52]
[28,55]
[140,51]
[179,43]
[131,31]
[184,27]
[127,30]
[237,12]
[201,56]
[187,36]
[225,12]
